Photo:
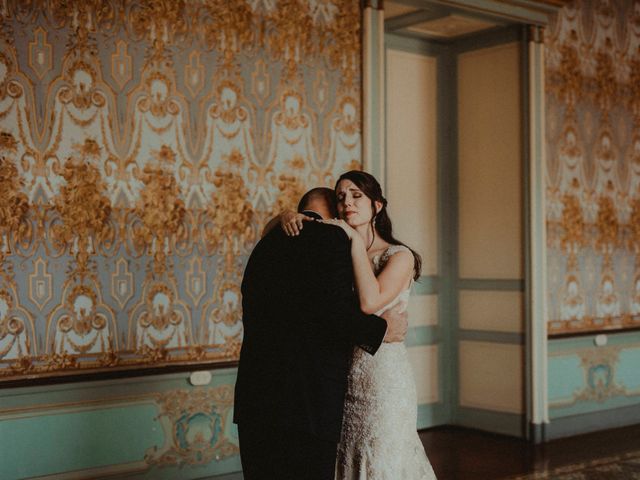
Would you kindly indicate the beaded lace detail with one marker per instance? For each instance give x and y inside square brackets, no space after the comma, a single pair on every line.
[379,438]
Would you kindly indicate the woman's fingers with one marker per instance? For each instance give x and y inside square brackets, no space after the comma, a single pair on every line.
[292,228]
[292,224]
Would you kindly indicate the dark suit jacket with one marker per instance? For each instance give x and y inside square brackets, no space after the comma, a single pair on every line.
[301,321]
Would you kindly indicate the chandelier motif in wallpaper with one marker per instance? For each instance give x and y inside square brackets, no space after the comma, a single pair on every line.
[593,152]
[143,145]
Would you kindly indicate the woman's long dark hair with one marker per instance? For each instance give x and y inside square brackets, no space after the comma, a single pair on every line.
[380,222]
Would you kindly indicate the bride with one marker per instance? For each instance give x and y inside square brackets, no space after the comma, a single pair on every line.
[379,438]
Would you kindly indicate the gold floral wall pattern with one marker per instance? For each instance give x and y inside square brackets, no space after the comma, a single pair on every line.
[143,145]
[593,154]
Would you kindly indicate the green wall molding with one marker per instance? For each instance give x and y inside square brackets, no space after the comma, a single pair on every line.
[594,407]
[78,440]
[129,427]
[491,38]
[568,344]
[505,423]
[523,11]
[432,414]
[427,285]
[491,336]
[589,422]
[423,335]
[492,284]
[103,390]
[412,45]
[588,380]
[373,108]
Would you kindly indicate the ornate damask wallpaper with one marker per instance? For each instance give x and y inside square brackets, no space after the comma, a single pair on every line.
[593,153]
[143,145]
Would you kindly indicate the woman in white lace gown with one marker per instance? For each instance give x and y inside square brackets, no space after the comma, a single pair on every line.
[379,437]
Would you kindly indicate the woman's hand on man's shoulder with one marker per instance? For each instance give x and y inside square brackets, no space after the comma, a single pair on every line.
[292,222]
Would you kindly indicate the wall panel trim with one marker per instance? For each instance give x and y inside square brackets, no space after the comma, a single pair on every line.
[491,336]
[591,422]
[511,424]
[493,284]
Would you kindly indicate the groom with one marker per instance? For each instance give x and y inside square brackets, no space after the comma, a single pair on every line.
[301,321]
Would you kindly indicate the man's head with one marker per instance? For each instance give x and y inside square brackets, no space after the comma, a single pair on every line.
[321,200]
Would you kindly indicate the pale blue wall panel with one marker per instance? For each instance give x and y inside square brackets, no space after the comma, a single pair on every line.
[586,380]
[628,372]
[66,441]
[591,409]
[565,377]
[131,428]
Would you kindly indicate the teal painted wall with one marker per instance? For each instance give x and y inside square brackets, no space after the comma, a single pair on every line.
[151,427]
[598,385]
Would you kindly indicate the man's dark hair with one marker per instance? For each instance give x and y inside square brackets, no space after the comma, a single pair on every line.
[324,193]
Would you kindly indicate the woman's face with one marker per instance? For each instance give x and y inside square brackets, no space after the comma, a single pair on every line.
[354,206]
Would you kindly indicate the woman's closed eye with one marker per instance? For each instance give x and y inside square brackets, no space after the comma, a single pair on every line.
[341,196]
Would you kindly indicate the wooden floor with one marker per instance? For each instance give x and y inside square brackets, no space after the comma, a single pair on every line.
[463,454]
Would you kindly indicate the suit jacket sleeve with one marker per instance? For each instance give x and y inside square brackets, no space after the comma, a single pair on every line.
[342,308]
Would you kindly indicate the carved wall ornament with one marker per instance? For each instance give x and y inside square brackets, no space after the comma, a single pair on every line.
[344,37]
[599,370]
[196,424]
[16,330]
[14,204]
[574,228]
[83,208]
[82,325]
[161,211]
[231,226]
[227,27]
[290,38]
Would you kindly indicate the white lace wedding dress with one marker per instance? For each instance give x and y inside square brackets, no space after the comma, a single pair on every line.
[379,437]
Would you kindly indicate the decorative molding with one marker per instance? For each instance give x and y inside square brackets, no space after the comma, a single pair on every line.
[492,336]
[195,424]
[153,415]
[491,284]
[497,422]
[591,422]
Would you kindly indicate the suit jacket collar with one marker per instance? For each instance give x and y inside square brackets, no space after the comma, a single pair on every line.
[311,213]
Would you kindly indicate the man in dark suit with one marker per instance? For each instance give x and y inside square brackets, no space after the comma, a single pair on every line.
[301,322]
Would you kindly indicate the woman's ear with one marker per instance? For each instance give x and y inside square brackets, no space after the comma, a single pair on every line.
[378,206]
